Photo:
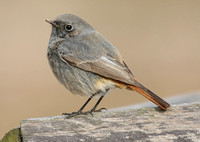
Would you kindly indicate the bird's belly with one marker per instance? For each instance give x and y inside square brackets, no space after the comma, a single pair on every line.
[78,81]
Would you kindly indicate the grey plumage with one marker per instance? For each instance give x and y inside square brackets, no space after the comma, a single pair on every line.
[88,64]
[79,61]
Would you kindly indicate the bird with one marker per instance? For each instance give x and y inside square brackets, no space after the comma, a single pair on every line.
[87,64]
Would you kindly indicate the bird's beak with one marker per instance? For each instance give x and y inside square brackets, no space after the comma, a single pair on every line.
[53,23]
[49,21]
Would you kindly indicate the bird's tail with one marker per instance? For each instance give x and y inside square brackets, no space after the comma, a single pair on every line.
[150,95]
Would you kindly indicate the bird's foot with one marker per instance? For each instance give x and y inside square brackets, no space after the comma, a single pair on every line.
[69,115]
[99,110]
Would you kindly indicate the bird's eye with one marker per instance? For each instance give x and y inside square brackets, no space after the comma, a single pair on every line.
[68,27]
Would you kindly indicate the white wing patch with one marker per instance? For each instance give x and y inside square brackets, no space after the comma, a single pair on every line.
[111,64]
[107,60]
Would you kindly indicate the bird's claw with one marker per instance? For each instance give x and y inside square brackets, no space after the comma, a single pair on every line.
[69,115]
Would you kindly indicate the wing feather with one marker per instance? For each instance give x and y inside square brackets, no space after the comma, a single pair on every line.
[97,56]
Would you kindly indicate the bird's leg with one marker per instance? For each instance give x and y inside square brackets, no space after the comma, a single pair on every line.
[95,106]
[80,110]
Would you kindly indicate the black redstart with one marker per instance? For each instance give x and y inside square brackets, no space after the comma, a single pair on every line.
[88,64]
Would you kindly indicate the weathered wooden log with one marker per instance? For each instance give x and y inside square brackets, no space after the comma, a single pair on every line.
[180,123]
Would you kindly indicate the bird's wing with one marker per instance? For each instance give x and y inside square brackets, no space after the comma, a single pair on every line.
[95,54]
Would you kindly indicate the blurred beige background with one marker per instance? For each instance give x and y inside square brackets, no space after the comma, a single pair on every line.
[159,40]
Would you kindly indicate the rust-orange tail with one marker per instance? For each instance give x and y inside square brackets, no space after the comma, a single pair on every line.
[151,96]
